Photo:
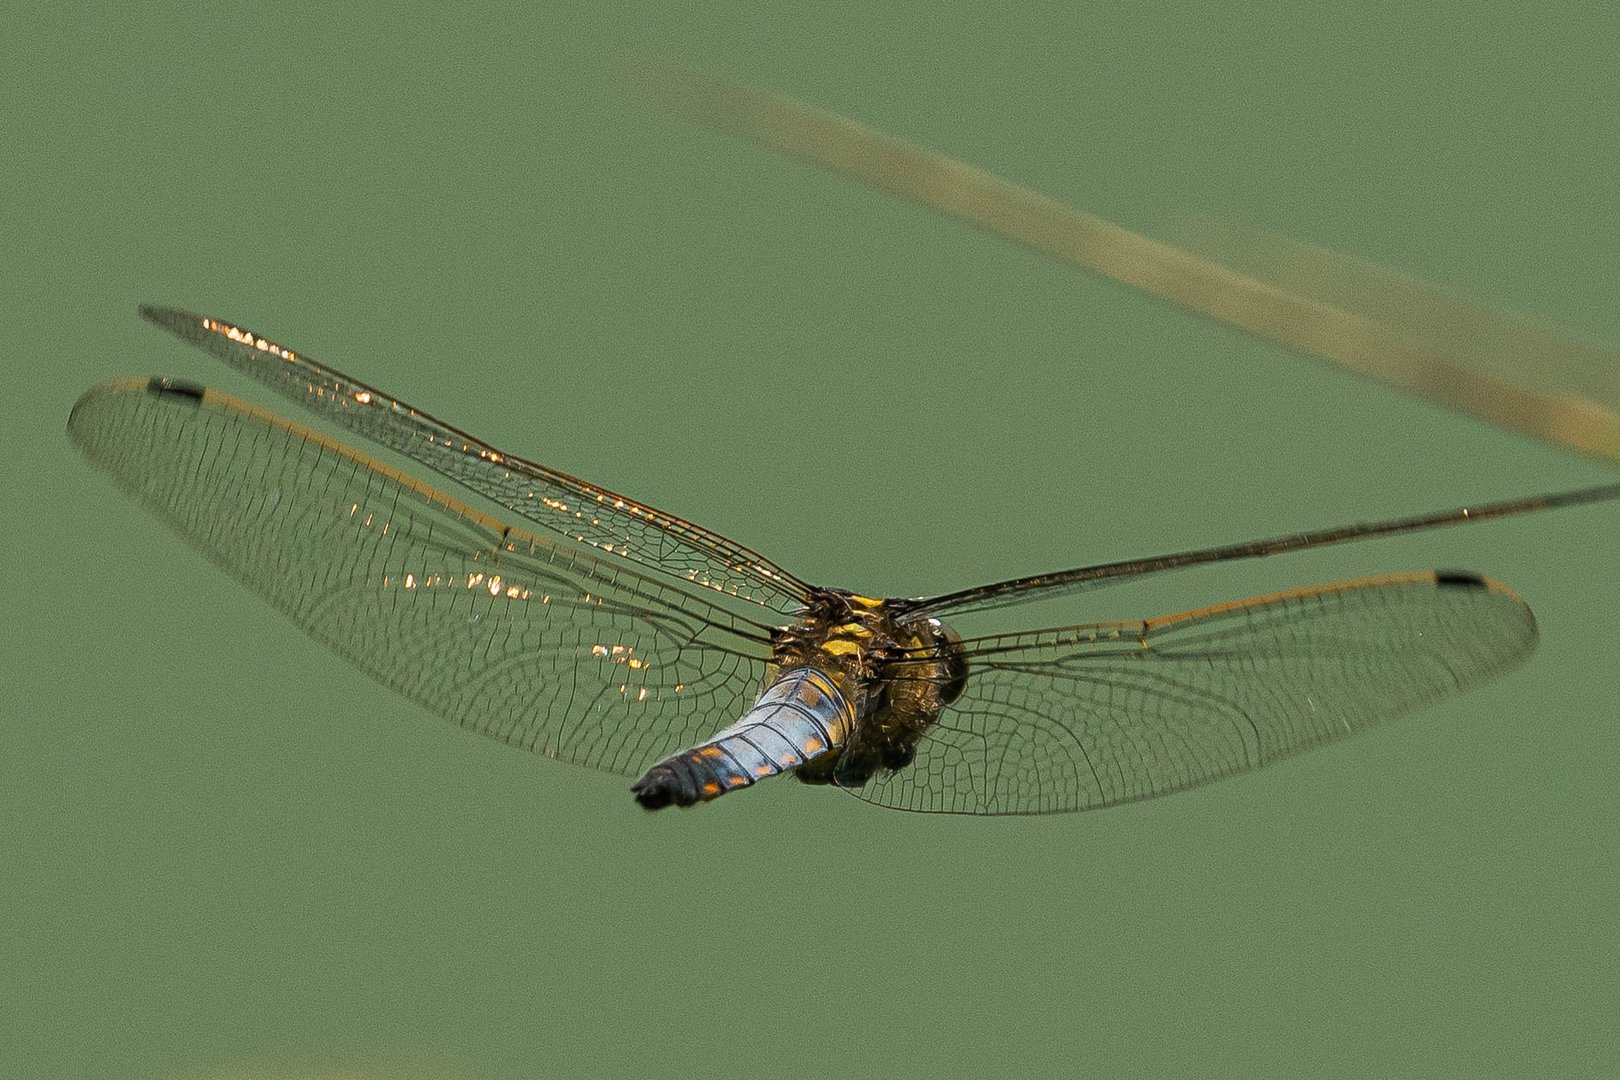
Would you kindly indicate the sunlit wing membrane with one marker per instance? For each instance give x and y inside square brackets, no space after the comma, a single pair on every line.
[617,527]
[1092,716]
[1502,369]
[528,638]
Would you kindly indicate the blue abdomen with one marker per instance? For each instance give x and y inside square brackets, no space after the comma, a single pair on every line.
[799,717]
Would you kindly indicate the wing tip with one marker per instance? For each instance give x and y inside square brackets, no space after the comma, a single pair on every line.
[163,386]
[1467,579]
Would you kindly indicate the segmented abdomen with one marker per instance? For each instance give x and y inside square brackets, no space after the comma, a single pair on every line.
[800,716]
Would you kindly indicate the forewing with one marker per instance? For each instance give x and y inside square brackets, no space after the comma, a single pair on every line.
[1091,716]
[594,517]
[540,643]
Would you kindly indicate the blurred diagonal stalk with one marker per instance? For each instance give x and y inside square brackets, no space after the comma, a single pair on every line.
[1501,368]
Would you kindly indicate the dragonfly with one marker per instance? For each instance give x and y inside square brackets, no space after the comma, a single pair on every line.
[582,625]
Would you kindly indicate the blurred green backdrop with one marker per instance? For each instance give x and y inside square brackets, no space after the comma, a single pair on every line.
[223,849]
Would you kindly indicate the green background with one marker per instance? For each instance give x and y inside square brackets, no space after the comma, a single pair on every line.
[222,851]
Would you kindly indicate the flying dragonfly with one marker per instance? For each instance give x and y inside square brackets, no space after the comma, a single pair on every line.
[586,626]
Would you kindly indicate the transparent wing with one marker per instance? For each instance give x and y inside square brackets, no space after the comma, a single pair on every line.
[532,640]
[1064,582]
[582,512]
[1091,716]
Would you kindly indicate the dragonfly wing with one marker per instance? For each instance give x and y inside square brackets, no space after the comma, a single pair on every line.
[579,511]
[550,646]
[1091,716]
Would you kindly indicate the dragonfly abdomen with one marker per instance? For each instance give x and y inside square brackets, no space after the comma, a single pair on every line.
[800,716]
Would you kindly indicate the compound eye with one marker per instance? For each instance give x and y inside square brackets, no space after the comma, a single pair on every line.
[956,663]
[957,669]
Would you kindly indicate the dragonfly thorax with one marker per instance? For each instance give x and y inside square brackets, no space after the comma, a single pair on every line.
[898,674]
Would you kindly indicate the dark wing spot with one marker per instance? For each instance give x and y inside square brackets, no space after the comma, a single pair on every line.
[163,386]
[1460,579]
